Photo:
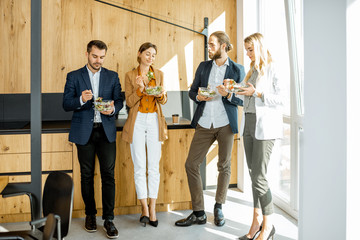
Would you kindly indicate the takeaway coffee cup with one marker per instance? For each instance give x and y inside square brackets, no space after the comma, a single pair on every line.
[175,118]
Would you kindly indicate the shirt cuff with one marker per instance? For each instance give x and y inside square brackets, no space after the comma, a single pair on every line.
[111,114]
[229,99]
[139,93]
[81,101]
[161,97]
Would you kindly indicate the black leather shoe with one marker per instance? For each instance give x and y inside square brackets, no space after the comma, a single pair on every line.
[190,220]
[219,219]
[90,223]
[110,229]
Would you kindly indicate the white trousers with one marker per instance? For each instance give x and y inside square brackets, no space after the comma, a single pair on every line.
[146,137]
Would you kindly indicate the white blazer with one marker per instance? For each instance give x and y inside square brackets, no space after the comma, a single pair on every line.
[269,114]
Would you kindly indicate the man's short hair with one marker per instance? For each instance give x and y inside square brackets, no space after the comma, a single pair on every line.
[98,44]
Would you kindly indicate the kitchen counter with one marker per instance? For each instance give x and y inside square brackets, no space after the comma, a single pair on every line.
[64,126]
[58,154]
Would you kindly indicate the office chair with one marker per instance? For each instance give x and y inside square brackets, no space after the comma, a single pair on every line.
[57,199]
[48,233]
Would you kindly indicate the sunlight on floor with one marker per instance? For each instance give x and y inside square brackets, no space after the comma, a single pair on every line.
[237,211]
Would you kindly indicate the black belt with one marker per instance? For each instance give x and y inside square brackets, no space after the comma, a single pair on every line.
[97,125]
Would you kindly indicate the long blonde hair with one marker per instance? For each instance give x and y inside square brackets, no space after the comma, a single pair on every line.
[262,55]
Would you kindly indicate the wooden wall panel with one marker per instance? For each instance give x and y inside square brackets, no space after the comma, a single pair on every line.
[173,180]
[234,159]
[15,143]
[57,161]
[125,194]
[69,25]
[15,163]
[78,202]
[15,39]
[56,143]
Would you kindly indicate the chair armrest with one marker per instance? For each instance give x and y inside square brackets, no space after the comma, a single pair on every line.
[58,223]
[42,220]
[38,221]
[6,195]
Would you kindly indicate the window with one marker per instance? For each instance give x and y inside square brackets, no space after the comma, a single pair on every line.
[281,23]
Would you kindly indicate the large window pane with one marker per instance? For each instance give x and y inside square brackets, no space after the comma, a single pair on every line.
[299,36]
[281,23]
[273,27]
[280,163]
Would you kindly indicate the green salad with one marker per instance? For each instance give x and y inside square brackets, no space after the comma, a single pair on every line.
[102,105]
[207,92]
[153,90]
[236,88]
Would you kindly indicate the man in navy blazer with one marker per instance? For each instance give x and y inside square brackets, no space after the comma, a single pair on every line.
[215,118]
[94,132]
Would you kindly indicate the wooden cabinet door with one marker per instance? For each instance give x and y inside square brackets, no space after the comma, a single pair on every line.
[173,180]
[15,157]
[125,194]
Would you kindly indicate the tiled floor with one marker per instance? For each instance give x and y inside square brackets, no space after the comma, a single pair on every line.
[237,211]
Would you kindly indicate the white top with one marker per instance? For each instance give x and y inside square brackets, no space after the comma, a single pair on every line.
[214,111]
[269,108]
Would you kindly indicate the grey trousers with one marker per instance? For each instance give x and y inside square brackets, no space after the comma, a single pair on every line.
[201,142]
[258,154]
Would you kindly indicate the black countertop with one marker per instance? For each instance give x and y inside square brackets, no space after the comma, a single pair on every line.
[23,127]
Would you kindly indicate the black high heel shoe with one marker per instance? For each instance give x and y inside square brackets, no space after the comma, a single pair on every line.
[272,233]
[154,223]
[144,220]
[246,238]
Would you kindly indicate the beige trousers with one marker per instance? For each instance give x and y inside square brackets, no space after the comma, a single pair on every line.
[202,140]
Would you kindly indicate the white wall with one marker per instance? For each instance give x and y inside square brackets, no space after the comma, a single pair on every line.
[353,119]
[322,213]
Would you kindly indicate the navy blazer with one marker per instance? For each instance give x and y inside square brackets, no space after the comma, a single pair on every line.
[234,71]
[83,116]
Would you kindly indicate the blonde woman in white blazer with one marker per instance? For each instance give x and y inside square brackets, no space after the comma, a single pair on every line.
[261,124]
